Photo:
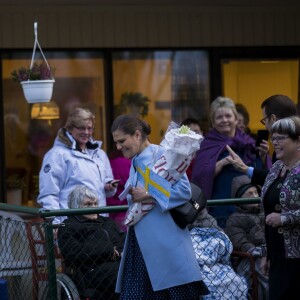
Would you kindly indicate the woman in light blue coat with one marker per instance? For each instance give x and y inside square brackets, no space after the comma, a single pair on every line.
[158,261]
[75,159]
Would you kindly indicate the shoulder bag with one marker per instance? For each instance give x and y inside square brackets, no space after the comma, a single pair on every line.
[187,213]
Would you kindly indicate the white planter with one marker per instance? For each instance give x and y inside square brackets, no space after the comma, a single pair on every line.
[38,90]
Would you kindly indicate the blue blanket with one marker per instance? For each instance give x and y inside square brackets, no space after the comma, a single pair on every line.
[213,249]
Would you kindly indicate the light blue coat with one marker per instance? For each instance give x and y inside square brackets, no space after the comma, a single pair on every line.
[64,167]
[167,250]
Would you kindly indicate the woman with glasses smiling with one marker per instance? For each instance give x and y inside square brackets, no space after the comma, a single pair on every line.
[75,159]
[281,199]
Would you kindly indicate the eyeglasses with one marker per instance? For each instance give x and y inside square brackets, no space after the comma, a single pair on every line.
[83,129]
[278,139]
[263,120]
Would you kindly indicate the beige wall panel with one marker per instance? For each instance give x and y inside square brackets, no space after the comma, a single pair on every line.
[142,26]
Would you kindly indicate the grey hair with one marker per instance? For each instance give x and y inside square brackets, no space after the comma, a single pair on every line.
[220,102]
[289,126]
[78,194]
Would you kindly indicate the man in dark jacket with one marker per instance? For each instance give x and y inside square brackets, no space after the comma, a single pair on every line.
[91,246]
[273,108]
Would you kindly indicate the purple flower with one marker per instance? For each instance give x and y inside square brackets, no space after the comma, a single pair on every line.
[37,72]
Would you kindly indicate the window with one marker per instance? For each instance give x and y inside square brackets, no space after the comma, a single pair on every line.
[29,134]
[159,86]
[175,82]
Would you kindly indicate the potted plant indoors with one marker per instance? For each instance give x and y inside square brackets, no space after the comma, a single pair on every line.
[37,82]
[15,185]
[133,103]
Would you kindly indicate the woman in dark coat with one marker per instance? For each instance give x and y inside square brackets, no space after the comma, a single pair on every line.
[91,245]
[281,199]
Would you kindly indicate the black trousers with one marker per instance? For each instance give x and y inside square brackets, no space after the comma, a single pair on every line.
[284,278]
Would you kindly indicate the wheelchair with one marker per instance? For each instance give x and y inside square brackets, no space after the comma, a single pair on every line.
[69,283]
[66,289]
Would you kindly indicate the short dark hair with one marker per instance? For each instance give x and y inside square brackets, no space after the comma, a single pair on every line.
[129,124]
[241,109]
[189,121]
[279,105]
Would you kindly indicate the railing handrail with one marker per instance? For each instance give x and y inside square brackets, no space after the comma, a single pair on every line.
[107,209]
[85,211]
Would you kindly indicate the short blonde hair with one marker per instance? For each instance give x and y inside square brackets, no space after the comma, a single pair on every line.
[220,102]
[78,116]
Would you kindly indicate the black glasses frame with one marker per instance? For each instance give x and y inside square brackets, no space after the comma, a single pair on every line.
[263,120]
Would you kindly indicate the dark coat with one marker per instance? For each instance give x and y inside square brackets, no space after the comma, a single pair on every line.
[289,198]
[260,175]
[246,228]
[88,246]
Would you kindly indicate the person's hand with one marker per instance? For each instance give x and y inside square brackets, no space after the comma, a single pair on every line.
[116,255]
[139,194]
[220,165]
[257,251]
[264,266]
[109,186]
[236,161]
[273,220]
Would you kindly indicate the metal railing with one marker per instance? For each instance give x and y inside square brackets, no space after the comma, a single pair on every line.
[28,213]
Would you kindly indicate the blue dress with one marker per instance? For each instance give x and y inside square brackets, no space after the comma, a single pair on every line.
[136,284]
[158,260]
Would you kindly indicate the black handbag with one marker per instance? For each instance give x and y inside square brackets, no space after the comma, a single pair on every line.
[187,213]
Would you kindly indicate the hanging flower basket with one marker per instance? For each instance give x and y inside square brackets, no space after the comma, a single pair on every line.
[37,80]
[38,90]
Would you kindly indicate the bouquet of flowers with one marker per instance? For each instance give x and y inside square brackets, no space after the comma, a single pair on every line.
[181,145]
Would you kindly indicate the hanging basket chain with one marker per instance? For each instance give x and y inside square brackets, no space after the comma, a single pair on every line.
[36,42]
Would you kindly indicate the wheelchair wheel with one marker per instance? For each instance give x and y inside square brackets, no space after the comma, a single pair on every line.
[66,289]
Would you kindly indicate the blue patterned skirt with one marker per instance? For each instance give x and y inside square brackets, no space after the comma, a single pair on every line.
[136,283]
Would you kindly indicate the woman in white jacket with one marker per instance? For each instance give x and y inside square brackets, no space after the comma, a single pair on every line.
[74,159]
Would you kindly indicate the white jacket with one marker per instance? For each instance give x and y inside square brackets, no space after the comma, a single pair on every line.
[64,167]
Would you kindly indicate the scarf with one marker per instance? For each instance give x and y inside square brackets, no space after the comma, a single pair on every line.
[211,148]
